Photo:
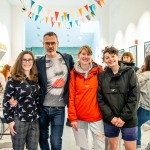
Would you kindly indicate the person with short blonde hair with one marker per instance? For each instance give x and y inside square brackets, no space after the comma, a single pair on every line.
[83,109]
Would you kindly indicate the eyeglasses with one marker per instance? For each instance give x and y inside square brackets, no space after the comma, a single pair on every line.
[27,60]
[50,43]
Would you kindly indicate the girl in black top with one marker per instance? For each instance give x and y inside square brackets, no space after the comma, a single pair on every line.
[22,119]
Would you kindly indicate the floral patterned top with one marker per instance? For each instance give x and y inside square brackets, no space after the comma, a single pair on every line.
[27,94]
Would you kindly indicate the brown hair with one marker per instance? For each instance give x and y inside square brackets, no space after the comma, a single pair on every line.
[5,71]
[50,34]
[110,50]
[17,72]
[86,48]
[147,63]
[129,54]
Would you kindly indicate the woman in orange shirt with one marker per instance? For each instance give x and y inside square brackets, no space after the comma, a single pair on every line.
[83,109]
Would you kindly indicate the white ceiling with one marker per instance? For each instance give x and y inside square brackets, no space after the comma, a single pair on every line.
[74,36]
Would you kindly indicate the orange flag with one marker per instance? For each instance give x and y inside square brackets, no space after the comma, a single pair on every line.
[80,11]
[46,19]
[65,14]
[59,24]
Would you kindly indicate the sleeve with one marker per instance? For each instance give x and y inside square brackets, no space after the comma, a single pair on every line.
[130,109]
[106,111]
[71,108]
[8,111]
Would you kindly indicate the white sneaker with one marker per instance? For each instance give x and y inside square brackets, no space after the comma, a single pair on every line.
[138,148]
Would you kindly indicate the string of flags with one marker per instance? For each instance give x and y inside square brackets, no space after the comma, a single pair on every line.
[86,13]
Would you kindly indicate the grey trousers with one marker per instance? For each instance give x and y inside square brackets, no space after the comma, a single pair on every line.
[27,133]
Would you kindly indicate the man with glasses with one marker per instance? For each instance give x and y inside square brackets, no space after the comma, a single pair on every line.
[53,75]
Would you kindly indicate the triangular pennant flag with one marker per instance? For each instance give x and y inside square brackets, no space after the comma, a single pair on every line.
[80,11]
[88,17]
[32,3]
[36,17]
[39,9]
[86,7]
[53,23]
[65,14]
[92,12]
[94,7]
[102,1]
[62,17]
[70,23]
[29,14]
[56,14]
[59,24]
[52,18]
[46,19]
[99,3]
[91,8]
[92,15]
[68,16]
[76,21]
[33,15]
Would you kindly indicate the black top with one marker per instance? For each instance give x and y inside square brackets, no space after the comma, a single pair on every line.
[27,94]
[118,95]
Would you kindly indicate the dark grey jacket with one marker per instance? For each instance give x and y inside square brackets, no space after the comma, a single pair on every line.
[118,95]
[42,77]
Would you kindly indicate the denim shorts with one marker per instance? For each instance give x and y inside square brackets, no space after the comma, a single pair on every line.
[128,134]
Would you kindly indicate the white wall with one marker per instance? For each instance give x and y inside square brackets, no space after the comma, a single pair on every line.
[129,21]
[5,30]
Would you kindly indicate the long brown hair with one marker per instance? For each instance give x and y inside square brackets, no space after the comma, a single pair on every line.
[5,71]
[17,72]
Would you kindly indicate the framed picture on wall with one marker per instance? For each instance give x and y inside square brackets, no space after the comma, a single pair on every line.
[121,51]
[133,50]
[146,48]
[38,56]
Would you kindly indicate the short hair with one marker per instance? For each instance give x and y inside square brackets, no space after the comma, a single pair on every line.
[50,34]
[147,63]
[17,72]
[86,48]
[110,50]
[129,54]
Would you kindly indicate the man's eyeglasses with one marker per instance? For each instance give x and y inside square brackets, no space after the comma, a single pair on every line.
[50,43]
[27,60]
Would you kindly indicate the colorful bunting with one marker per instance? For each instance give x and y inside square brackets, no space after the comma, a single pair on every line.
[85,14]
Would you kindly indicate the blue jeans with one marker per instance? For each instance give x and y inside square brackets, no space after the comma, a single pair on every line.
[143,116]
[53,117]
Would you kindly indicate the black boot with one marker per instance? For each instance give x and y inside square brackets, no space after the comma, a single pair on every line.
[68,123]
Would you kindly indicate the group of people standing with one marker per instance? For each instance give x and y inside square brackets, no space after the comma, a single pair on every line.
[105,102]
